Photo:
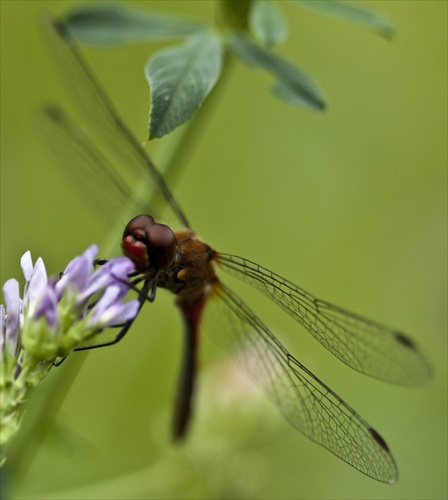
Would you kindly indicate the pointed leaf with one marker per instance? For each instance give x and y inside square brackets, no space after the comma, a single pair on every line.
[180,79]
[106,24]
[292,84]
[360,15]
[267,23]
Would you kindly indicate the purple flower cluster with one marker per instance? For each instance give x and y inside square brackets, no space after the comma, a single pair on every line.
[53,318]
[54,315]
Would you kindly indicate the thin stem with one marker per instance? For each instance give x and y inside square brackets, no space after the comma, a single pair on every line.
[38,420]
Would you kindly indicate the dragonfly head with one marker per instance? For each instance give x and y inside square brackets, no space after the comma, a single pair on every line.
[148,244]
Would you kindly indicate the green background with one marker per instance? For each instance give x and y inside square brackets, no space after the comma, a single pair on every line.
[350,204]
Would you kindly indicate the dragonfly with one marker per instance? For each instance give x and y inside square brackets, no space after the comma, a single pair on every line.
[179,261]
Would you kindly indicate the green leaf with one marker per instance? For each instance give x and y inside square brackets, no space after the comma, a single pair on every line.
[267,23]
[292,84]
[180,79]
[360,15]
[114,24]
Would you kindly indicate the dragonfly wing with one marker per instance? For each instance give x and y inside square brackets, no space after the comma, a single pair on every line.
[100,114]
[306,403]
[365,345]
[86,167]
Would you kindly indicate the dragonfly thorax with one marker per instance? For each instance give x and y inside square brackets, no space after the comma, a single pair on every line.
[180,260]
[192,273]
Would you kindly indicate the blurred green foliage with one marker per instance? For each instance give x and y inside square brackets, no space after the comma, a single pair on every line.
[350,204]
[181,77]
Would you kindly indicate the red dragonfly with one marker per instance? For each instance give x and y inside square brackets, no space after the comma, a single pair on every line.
[182,263]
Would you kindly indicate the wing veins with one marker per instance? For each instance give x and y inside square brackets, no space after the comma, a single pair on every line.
[99,112]
[334,425]
[363,344]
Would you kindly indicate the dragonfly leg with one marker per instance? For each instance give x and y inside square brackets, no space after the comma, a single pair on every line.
[59,363]
[142,298]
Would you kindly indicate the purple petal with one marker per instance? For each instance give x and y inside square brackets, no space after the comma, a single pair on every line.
[114,272]
[123,312]
[100,283]
[91,253]
[120,266]
[13,306]
[48,307]
[108,298]
[88,256]
[109,311]
[26,264]
[36,285]
[77,273]
[118,313]
[2,329]
[75,277]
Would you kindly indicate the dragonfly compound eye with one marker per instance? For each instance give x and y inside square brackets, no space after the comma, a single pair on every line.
[161,245]
[138,226]
[148,244]
[135,241]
